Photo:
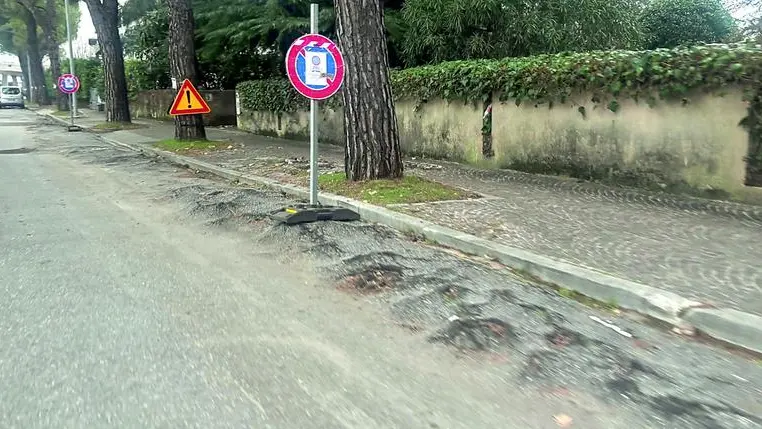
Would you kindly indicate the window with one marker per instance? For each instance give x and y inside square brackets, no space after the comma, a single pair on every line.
[11,91]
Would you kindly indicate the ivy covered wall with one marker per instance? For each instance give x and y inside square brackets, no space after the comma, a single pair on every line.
[613,81]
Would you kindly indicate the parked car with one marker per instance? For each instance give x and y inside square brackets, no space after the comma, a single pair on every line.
[10,96]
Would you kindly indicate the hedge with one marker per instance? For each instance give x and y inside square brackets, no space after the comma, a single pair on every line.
[661,73]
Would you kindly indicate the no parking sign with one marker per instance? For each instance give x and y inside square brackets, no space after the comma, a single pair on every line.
[315,66]
[68,83]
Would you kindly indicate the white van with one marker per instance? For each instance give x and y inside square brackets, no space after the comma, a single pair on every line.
[11,96]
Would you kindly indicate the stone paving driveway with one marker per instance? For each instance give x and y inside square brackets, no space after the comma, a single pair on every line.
[692,252]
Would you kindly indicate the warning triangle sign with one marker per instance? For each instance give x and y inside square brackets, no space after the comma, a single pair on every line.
[188,101]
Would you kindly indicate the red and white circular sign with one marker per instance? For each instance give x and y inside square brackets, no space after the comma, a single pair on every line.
[68,83]
[315,66]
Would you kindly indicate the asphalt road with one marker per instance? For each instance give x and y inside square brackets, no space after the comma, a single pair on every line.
[138,295]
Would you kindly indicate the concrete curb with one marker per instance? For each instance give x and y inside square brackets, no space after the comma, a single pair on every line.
[739,329]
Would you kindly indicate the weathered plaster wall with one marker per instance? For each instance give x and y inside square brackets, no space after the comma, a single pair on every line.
[698,146]
[155,105]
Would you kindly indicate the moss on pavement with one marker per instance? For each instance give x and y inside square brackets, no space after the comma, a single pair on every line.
[115,126]
[189,145]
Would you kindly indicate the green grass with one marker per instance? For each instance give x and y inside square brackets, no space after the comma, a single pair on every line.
[185,145]
[408,190]
[115,126]
[62,113]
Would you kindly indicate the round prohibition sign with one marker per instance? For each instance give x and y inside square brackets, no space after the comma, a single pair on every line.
[68,83]
[316,79]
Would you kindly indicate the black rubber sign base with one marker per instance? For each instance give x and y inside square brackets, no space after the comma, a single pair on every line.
[304,213]
[74,128]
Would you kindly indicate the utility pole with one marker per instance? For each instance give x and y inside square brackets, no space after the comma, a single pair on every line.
[71,56]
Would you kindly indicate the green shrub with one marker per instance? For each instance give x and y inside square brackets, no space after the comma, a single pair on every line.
[90,73]
[271,95]
[648,75]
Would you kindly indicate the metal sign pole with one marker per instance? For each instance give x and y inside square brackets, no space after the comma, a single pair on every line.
[307,56]
[73,101]
[314,122]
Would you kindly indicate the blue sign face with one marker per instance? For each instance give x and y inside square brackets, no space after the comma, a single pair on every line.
[68,84]
[315,67]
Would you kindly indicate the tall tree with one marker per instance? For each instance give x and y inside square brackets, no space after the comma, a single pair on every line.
[749,13]
[35,58]
[134,10]
[444,30]
[105,15]
[18,35]
[372,146]
[183,64]
[669,23]
[46,14]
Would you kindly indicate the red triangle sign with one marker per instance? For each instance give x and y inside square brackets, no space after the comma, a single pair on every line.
[188,101]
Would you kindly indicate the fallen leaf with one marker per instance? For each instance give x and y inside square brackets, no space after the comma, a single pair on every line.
[640,344]
[496,329]
[496,265]
[563,420]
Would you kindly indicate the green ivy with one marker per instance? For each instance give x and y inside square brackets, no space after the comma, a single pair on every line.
[647,75]
[663,73]
[90,73]
[270,95]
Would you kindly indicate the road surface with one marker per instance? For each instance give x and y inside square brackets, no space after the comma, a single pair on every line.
[139,295]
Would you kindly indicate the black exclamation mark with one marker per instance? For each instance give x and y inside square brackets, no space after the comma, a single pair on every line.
[187,95]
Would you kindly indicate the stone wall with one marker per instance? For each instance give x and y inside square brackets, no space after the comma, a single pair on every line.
[155,105]
[436,129]
[696,147]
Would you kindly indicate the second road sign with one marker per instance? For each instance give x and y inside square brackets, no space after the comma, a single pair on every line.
[68,83]
[315,66]
[188,101]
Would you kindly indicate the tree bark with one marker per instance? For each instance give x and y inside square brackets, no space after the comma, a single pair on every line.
[105,14]
[48,20]
[41,96]
[183,64]
[24,73]
[372,146]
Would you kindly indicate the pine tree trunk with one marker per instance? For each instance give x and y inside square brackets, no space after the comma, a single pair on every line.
[372,149]
[105,14]
[24,73]
[48,21]
[183,64]
[41,96]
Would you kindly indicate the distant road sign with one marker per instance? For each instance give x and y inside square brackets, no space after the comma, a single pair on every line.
[68,83]
[188,101]
[315,66]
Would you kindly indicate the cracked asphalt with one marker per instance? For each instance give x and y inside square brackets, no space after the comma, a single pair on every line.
[139,294]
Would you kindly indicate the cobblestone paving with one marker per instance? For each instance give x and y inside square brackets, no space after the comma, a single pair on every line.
[705,251]
[693,252]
